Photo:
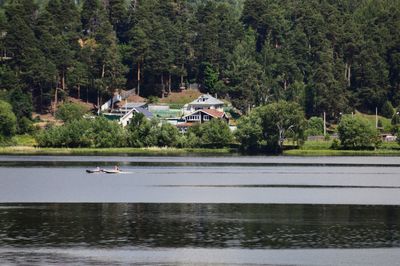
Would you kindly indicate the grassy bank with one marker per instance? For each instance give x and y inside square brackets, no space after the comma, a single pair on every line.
[25,146]
[322,148]
[28,150]
[377,152]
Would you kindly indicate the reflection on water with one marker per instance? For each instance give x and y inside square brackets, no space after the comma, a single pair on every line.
[14,160]
[199,225]
[170,211]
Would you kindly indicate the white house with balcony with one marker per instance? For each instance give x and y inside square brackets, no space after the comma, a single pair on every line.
[199,117]
[205,101]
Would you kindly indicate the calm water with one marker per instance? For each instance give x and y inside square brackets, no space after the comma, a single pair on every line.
[200,211]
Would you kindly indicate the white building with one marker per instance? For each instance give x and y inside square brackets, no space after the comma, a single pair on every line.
[205,101]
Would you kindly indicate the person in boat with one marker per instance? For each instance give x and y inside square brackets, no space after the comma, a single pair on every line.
[116,168]
[97,169]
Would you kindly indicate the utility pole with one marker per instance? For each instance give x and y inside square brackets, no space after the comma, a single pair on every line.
[324,124]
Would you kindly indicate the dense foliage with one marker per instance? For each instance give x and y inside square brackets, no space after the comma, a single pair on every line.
[326,55]
[357,133]
[276,61]
[8,121]
[141,132]
[212,134]
[97,133]
[267,127]
[70,111]
[315,126]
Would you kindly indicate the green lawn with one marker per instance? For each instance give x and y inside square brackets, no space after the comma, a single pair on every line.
[322,148]
[386,122]
[342,152]
[316,145]
[24,140]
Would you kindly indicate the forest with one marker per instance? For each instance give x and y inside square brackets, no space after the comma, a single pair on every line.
[332,56]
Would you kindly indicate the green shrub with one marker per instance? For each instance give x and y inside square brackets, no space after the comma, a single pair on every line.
[357,133]
[152,99]
[167,136]
[213,134]
[25,126]
[106,134]
[99,132]
[142,132]
[8,120]
[188,140]
[315,126]
[272,125]
[335,144]
[70,111]
[249,133]
[24,140]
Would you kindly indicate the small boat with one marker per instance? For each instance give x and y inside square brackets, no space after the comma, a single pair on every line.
[93,171]
[111,171]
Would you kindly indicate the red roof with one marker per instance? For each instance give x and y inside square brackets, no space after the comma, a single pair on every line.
[213,112]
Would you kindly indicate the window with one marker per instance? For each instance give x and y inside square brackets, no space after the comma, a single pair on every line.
[193,117]
[206,117]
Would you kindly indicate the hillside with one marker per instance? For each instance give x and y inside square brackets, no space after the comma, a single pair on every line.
[324,55]
[178,99]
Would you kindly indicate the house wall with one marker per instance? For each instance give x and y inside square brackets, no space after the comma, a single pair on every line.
[201,117]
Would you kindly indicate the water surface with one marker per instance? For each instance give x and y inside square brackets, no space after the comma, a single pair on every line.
[196,234]
[200,211]
[372,185]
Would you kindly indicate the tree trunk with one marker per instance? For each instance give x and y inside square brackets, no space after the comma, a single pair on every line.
[63,80]
[349,75]
[138,79]
[281,139]
[181,85]
[162,86]
[41,100]
[55,100]
[169,83]
[103,70]
[87,94]
[79,91]
[98,101]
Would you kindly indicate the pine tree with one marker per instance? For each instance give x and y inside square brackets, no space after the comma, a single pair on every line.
[104,59]
[248,83]
[117,13]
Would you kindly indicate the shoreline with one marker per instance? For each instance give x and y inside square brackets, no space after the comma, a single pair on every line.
[29,150]
[378,152]
[157,151]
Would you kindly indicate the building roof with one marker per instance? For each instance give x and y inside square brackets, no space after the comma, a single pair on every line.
[133,105]
[144,111]
[211,112]
[206,99]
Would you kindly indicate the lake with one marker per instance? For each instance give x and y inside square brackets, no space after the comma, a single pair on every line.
[200,211]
